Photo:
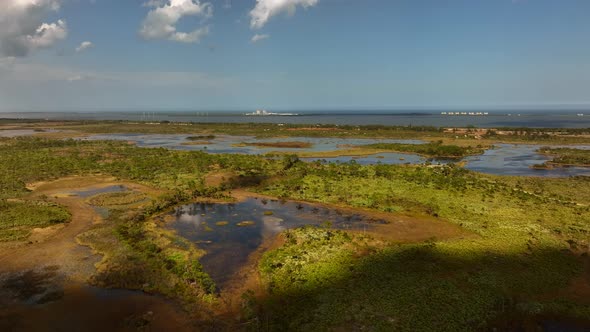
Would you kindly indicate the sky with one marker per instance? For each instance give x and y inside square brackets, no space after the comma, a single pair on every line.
[125,55]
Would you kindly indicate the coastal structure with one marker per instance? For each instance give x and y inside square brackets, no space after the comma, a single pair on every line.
[262,112]
[465,113]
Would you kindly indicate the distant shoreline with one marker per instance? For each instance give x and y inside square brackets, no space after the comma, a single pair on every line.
[492,120]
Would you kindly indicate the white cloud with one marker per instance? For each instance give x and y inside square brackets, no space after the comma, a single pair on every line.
[258,37]
[191,37]
[154,3]
[84,46]
[160,22]
[265,9]
[22,29]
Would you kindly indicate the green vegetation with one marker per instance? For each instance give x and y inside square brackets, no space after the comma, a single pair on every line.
[530,238]
[434,149]
[117,199]
[526,238]
[140,255]
[567,156]
[28,159]
[316,282]
[18,218]
[289,145]
[200,137]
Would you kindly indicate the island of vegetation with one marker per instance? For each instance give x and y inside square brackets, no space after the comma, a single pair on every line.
[288,145]
[434,149]
[200,137]
[563,157]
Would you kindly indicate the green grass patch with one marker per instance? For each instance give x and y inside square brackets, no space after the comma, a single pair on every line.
[567,156]
[115,199]
[433,149]
[17,219]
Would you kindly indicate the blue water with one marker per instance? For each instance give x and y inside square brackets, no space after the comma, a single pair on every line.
[503,118]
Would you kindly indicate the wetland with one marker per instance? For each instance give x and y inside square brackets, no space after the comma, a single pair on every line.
[253,237]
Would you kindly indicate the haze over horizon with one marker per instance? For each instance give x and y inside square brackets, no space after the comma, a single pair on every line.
[93,55]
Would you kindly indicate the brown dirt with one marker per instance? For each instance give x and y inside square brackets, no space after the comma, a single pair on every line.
[43,282]
[215,179]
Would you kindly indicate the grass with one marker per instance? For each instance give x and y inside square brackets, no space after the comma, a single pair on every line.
[17,219]
[317,282]
[530,236]
[139,254]
[434,149]
[567,156]
[117,199]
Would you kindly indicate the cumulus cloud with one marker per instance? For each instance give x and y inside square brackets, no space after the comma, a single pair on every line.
[84,46]
[160,22]
[22,29]
[265,9]
[258,37]
[154,3]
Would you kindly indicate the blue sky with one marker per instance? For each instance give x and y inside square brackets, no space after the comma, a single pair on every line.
[309,54]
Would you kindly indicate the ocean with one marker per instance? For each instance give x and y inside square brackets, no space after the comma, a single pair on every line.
[541,119]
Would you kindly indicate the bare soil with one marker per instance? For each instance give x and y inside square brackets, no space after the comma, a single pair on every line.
[43,282]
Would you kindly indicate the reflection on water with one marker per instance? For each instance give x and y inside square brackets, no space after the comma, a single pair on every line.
[214,227]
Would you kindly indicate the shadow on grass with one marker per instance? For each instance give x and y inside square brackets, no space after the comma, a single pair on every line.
[424,287]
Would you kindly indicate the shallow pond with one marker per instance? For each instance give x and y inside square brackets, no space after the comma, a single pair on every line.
[233,144]
[503,159]
[231,232]
[513,159]
[100,210]
[85,193]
